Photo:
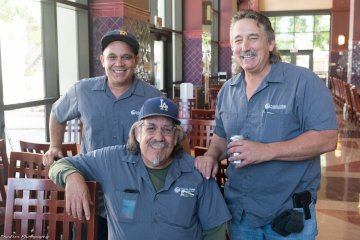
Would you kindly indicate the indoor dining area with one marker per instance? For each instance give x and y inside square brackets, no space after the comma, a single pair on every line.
[185,53]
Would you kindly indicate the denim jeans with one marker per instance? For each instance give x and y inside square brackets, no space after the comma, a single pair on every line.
[243,231]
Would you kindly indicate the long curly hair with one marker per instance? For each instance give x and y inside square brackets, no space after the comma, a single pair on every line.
[264,23]
[133,145]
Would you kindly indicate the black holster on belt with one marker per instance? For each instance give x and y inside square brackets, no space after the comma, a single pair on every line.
[292,221]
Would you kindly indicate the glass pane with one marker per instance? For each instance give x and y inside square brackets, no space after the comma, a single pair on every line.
[285,41]
[286,58]
[304,23]
[32,130]
[80,1]
[21,51]
[284,24]
[303,41]
[158,64]
[322,23]
[321,63]
[67,44]
[303,60]
[321,41]
[273,22]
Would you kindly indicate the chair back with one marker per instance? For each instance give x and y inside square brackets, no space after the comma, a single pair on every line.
[27,165]
[42,214]
[68,149]
[2,199]
[73,131]
[197,113]
[212,93]
[4,160]
[185,106]
[198,131]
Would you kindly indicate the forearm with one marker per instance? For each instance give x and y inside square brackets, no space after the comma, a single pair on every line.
[60,170]
[217,148]
[305,146]
[57,131]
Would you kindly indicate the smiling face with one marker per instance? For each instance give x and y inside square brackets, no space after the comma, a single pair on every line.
[157,138]
[119,63]
[251,48]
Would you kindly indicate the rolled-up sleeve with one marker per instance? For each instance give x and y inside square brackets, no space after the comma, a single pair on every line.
[59,170]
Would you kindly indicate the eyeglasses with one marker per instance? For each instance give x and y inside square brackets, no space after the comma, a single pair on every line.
[165,130]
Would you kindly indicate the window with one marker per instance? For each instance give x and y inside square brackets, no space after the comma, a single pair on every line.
[299,34]
[33,59]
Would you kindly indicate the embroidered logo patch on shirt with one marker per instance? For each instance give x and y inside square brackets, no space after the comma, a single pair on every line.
[270,106]
[134,112]
[185,192]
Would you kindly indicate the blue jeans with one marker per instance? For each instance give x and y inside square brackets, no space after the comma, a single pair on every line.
[241,231]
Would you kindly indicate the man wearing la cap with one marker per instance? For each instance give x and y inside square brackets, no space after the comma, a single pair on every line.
[151,187]
[107,105]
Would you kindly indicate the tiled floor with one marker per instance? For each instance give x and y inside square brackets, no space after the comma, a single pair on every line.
[338,206]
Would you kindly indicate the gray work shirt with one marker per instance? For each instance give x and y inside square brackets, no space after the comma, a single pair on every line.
[290,101]
[106,120]
[186,205]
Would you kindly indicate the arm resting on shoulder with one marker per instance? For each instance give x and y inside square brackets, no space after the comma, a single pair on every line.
[208,164]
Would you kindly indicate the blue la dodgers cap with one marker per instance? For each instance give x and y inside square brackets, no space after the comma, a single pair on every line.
[159,106]
[120,35]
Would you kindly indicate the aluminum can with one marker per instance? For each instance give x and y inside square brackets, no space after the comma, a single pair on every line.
[234,138]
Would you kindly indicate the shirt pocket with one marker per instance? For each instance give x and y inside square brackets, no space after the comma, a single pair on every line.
[278,126]
[181,212]
[127,207]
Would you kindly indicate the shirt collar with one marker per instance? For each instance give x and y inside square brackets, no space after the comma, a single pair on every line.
[276,74]
[136,88]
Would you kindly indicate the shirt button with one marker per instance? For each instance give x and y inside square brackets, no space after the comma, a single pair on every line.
[114,137]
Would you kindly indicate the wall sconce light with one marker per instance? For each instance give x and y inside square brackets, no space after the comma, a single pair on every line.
[207,13]
[341,40]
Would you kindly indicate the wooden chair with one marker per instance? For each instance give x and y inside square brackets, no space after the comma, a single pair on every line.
[198,131]
[73,131]
[355,97]
[68,149]
[2,199]
[185,107]
[44,211]
[4,160]
[27,165]
[212,93]
[203,114]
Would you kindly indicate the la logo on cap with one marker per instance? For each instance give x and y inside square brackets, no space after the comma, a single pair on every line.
[163,105]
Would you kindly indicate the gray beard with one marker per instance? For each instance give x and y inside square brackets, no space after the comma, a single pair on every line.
[156,162]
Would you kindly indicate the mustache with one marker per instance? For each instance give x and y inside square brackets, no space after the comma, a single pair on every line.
[158,144]
[249,53]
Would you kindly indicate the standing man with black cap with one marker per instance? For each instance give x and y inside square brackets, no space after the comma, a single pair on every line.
[107,105]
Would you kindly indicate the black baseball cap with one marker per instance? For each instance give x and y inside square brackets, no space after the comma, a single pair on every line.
[120,35]
[160,106]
